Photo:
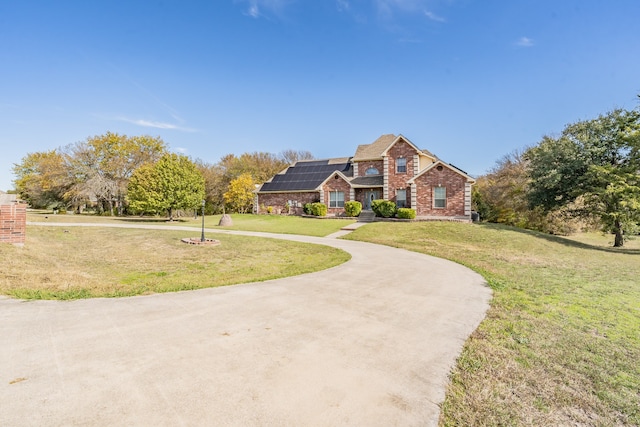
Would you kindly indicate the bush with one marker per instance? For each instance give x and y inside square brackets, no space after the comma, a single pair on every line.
[406,213]
[383,208]
[352,208]
[306,208]
[318,209]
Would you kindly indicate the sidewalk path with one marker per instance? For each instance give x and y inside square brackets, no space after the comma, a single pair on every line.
[366,343]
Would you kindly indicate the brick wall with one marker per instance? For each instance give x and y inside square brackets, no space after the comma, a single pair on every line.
[455,185]
[363,166]
[398,181]
[334,184]
[279,200]
[13,223]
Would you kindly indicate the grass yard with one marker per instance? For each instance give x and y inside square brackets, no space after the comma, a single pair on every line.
[245,222]
[86,262]
[560,345]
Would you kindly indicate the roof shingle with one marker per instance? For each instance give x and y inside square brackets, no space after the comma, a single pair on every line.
[375,149]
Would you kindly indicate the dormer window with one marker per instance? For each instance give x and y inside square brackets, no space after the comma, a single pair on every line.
[401,165]
[372,171]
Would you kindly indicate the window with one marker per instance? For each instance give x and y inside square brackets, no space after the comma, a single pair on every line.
[401,198]
[440,197]
[401,165]
[371,171]
[336,199]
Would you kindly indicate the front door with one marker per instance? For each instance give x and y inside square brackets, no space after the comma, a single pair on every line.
[370,196]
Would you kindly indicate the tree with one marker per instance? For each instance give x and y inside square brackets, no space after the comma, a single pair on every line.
[290,156]
[173,182]
[240,195]
[111,160]
[260,165]
[215,185]
[596,161]
[500,195]
[42,178]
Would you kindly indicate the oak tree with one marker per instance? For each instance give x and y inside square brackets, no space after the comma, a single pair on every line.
[596,161]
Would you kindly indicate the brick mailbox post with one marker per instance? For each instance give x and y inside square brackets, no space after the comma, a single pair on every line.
[13,220]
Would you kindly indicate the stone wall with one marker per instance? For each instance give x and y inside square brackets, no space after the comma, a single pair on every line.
[13,223]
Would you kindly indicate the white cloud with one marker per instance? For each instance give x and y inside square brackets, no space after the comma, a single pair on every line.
[253,11]
[524,42]
[181,150]
[154,124]
[255,8]
[433,16]
[388,9]
[343,5]
[150,124]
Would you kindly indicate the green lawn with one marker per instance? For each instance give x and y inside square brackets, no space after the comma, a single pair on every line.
[246,222]
[85,262]
[561,342]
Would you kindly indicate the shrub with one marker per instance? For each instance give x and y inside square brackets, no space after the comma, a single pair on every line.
[269,209]
[383,208]
[352,208]
[318,209]
[406,213]
[307,208]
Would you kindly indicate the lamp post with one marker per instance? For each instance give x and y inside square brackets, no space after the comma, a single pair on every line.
[202,237]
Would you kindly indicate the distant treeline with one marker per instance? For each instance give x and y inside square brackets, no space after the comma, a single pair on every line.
[96,173]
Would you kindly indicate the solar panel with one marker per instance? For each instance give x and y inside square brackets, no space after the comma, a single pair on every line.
[305,175]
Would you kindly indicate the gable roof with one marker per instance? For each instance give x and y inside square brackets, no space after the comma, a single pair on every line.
[379,148]
[374,150]
[445,164]
[401,138]
[307,175]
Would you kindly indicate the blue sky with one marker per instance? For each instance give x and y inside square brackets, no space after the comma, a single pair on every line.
[469,80]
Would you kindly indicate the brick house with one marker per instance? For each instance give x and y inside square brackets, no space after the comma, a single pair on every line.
[390,168]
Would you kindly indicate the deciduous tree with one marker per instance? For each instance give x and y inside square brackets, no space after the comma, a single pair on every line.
[114,158]
[500,195]
[173,182]
[291,156]
[42,178]
[240,195]
[597,161]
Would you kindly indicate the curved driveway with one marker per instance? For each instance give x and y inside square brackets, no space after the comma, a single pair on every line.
[366,343]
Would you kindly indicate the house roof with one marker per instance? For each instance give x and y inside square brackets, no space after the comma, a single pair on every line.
[368,181]
[378,148]
[429,153]
[375,149]
[445,164]
[307,175]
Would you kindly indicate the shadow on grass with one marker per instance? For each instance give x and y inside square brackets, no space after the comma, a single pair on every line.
[559,239]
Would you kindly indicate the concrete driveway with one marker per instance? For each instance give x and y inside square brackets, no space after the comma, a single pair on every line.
[367,343]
